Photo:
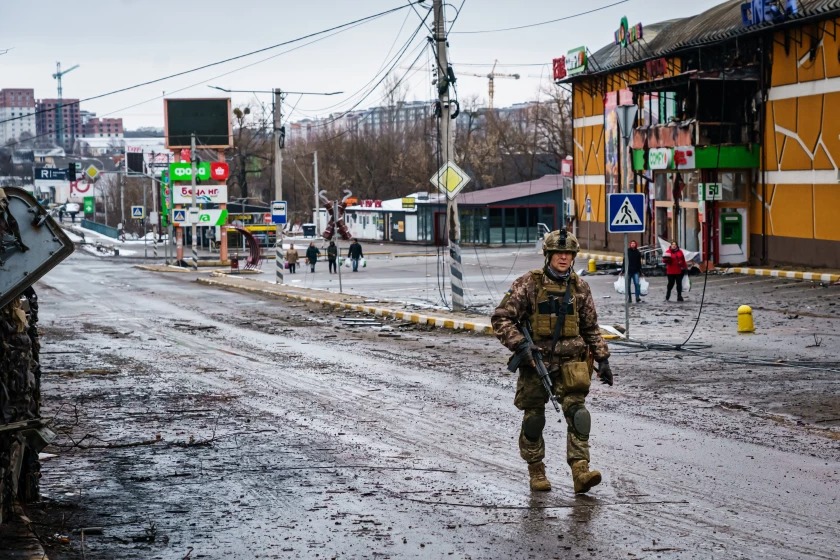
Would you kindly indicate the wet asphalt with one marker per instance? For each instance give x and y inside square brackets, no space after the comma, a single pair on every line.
[199,423]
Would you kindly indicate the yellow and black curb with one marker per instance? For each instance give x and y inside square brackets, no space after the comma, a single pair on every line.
[813,276]
[417,318]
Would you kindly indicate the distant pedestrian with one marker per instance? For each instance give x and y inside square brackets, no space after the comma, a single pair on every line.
[355,254]
[312,254]
[332,256]
[675,267]
[292,258]
[61,213]
[633,270]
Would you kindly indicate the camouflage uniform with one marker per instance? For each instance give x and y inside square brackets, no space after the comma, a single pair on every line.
[580,336]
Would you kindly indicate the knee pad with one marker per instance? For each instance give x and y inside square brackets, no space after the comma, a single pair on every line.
[580,423]
[532,425]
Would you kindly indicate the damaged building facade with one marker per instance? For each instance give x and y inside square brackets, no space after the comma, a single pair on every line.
[726,121]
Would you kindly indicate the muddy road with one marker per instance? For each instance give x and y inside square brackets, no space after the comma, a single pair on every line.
[200,423]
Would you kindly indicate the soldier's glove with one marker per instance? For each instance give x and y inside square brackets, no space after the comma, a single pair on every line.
[525,353]
[605,373]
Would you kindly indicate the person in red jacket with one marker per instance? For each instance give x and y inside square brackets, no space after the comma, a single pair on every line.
[675,267]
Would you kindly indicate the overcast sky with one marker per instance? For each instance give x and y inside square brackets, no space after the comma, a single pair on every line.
[122,43]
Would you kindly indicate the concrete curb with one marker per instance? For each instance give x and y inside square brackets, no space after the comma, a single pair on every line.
[417,318]
[601,257]
[815,276]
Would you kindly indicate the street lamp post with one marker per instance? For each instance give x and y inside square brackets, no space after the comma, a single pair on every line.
[279,135]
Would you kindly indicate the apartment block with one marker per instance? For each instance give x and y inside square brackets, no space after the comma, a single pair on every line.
[17,114]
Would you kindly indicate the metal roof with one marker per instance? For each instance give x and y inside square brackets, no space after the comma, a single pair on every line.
[544,184]
[717,24]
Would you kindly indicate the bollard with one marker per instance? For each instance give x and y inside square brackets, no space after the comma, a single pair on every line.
[592,267]
[745,319]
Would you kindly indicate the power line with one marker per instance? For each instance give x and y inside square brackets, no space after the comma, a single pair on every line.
[542,22]
[231,59]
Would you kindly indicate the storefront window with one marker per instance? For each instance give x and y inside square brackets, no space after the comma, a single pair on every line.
[734,186]
[664,184]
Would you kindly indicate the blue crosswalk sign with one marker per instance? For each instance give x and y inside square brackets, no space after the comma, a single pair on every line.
[179,216]
[626,213]
[138,212]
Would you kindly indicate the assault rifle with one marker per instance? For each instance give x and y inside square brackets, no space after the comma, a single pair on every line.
[516,361]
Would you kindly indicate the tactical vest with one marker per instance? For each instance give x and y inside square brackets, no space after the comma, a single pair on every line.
[548,299]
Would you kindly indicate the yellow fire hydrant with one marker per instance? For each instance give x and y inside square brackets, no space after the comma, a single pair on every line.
[745,319]
[592,267]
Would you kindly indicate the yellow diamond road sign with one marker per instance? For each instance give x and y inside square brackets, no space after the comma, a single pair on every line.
[450,180]
[91,172]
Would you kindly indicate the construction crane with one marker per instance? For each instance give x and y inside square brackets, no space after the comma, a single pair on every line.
[58,112]
[491,76]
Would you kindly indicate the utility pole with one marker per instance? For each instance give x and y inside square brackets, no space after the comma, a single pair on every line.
[194,206]
[447,148]
[58,111]
[315,214]
[278,179]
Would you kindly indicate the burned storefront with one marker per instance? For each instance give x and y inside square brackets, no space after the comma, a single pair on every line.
[725,121]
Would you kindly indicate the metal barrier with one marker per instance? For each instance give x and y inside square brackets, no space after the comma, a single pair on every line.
[101,228]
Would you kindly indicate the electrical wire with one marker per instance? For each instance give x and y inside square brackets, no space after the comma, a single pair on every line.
[224,61]
[542,22]
[157,97]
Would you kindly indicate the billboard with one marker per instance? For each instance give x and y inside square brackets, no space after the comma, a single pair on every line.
[141,160]
[207,118]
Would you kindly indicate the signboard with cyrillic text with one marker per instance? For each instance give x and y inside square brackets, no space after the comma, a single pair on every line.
[204,194]
[183,171]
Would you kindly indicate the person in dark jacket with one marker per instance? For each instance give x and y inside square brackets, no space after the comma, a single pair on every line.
[312,254]
[332,255]
[675,267]
[633,270]
[355,254]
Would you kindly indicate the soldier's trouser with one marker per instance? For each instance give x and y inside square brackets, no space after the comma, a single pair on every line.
[531,398]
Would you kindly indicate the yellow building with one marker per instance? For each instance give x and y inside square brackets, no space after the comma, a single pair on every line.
[733,132]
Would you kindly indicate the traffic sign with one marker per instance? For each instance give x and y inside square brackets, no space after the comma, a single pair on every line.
[278,212]
[179,216]
[626,213]
[50,174]
[193,215]
[138,212]
[91,172]
[588,209]
[450,179]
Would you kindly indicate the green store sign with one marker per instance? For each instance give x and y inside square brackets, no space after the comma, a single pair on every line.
[183,171]
[703,157]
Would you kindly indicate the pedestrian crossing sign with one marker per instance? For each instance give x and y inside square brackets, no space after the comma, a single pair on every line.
[626,213]
[138,212]
[179,216]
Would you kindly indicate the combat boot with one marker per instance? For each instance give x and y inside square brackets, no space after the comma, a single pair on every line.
[583,477]
[539,482]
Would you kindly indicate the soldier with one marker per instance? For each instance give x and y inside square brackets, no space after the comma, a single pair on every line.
[558,305]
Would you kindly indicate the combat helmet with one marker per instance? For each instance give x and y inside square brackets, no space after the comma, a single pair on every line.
[560,241]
